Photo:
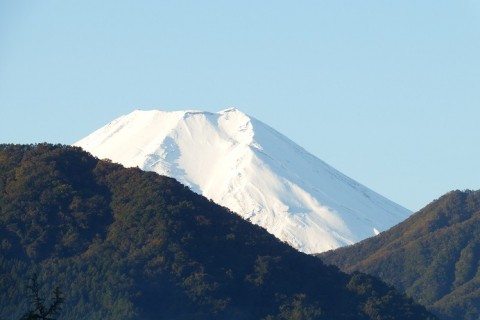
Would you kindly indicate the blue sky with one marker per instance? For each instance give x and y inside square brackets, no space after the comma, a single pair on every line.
[387,92]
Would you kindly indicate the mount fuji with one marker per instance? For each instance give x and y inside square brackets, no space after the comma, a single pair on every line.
[255,171]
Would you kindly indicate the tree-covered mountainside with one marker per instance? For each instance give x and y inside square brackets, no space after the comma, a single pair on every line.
[126,244]
[434,256]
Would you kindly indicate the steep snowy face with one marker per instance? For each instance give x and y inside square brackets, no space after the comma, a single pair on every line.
[245,165]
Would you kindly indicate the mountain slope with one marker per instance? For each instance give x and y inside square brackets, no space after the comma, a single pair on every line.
[434,256]
[127,244]
[253,170]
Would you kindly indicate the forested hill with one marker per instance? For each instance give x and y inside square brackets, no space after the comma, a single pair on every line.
[126,244]
[434,256]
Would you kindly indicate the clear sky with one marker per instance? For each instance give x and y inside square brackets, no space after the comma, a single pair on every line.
[388,92]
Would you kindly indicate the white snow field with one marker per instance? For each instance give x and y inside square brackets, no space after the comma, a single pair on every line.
[248,167]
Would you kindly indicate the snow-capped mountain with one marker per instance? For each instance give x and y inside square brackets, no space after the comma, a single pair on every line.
[245,165]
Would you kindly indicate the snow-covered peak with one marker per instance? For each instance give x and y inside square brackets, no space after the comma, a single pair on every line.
[245,165]
[232,110]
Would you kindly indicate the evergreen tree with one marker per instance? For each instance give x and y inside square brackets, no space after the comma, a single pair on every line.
[40,310]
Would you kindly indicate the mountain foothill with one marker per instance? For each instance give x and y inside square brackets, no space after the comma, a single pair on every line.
[121,243]
[433,256]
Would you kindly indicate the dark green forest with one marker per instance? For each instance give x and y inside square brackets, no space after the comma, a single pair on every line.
[434,256]
[126,244]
